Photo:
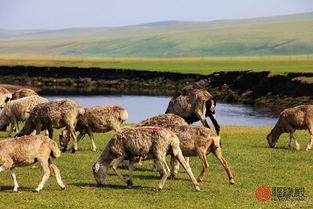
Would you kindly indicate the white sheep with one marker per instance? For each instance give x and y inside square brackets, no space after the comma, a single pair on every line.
[19,110]
[99,119]
[290,120]
[57,114]
[27,150]
[140,143]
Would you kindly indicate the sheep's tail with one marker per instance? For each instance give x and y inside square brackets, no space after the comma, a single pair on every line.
[123,115]
[55,151]
[175,145]
[217,141]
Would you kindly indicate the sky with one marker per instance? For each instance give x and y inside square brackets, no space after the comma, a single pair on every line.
[59,14]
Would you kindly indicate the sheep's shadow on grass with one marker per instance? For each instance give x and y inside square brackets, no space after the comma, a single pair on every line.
[109,186]
[9,189]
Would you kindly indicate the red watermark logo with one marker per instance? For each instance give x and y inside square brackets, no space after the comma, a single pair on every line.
[263,193]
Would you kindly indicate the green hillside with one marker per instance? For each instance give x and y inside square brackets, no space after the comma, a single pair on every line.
[281,35]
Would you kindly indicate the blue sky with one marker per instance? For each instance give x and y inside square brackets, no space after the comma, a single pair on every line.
[58,14]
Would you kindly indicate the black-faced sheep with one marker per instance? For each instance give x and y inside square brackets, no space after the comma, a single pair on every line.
[140,143]
[194,105]
[290,120]
[27,150]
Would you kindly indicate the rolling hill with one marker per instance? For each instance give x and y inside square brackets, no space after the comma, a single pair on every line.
[267,36]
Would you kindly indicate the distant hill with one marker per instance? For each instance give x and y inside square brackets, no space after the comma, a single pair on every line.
[267,36]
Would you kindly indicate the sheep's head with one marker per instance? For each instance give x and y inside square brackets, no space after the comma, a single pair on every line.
[64,138]
[99,172]
[272,140]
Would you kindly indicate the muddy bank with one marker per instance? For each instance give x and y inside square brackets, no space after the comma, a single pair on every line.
[245,87]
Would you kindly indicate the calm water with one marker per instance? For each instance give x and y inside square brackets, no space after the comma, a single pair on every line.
[143,107]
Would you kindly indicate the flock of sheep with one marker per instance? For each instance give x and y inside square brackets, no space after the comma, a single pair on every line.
[153,138]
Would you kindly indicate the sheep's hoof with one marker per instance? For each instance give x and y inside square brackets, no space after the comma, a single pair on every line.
[197,188]
[129,183]
[36,190]
[158,189]
[73,150]
[199,179]
[63,188]
[232,181]
[15,190]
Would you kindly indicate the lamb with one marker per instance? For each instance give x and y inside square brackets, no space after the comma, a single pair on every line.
[54,114]
[194,141]
[28,150]
[23,92]
[18,110]
[5,96]
[290,120]
[97,119]
[194,105]
[140,143]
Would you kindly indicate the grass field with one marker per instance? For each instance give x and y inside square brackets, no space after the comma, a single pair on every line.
[285,35]
[183,65]
[245,148]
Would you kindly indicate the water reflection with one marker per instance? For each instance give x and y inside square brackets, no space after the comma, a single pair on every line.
[142,107]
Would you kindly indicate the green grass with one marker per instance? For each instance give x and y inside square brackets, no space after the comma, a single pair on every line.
[271,36]
[183,65]
[245,148]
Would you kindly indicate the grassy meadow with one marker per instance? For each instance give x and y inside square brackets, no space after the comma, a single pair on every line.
[285,35]
[253,163]
[183,65]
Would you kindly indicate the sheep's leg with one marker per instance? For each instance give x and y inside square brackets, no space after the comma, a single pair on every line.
[165,169]
[174,167]
[38,128]
[15,122]
[293,136]
[94,148]
[57,174]
[218,154]
[187,168]
[2,168]
[11,129]
[46,170]
[131,167]
[13,174]
[309,146]
[73,135]
[50,132]
[205,165]
[114,167]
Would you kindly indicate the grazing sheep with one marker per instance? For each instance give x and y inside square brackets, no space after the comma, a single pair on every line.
[23,92]
[140,143]
[290,120]
[194,105]
[18,110]
[54,114]
[163,120]
[194,141]
[27,150]
[5,96]
[97,119]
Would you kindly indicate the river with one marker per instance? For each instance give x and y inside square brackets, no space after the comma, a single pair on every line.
[143,107]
